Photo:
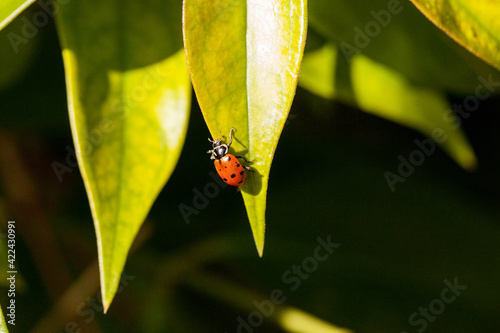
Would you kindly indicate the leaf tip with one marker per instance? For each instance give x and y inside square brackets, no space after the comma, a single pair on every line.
[106,302]
[260,251]
[469,163]
[259,244]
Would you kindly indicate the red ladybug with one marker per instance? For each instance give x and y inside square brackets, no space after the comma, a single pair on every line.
[228,166]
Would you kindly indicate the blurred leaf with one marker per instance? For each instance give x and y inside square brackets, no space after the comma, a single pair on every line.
[394,34]
[16,53]
[9,9]
[318,71]
[475,25]
[272,305]
[296,320]
[244,59]
[129,95]
[386,93]
[3,324]
[4,283]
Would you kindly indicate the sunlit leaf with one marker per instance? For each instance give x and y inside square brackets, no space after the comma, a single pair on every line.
[474,24]
[396,35]
[386,93]
[9,9]
[244,58]
[318,71]
[129,95]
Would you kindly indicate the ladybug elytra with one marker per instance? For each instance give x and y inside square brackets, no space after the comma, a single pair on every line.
[227,165]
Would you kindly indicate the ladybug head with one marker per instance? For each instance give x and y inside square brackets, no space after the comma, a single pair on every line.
[215,143]
[219,149]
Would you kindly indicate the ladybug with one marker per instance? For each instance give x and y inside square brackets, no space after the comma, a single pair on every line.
[227,165]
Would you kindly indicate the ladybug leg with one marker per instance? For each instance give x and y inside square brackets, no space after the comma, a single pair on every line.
[243,157]
[230,137]
[244,166]
[211,152]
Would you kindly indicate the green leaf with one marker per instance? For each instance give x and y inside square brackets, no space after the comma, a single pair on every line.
[318,71]
[395,34]
[289,318]
[3,324]
[244,59]
[9,9]
[386,93]
[474,24]
[129,95]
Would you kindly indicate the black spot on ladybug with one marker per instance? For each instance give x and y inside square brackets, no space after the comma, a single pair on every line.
[240,182]
[224,179]
[233,175]
[237,165]
[242,172]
